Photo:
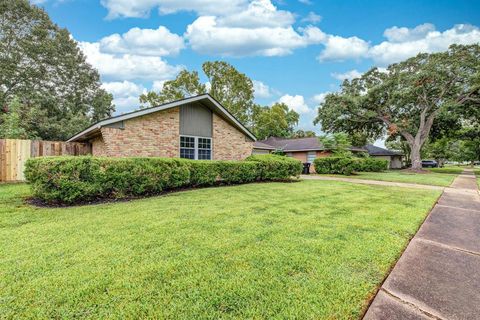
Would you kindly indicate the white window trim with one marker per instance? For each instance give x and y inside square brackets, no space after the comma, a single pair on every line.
[195,147]
[314,153]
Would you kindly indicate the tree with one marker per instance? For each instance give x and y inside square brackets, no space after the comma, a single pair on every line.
[338,142]
[303,134]
[274,121]
[186,84]
[231,88]
[407,98]
[10,127]
[43,67]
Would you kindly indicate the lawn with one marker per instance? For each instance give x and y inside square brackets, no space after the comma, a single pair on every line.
[432,178]
[305,250]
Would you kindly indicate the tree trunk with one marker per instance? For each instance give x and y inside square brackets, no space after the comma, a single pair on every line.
[415,156]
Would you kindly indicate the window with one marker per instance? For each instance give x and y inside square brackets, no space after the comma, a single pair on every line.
[311,155]
[197,148]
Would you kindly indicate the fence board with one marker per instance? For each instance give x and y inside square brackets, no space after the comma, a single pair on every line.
[14,153]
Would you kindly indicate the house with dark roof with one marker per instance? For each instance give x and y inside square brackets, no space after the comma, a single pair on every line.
[308,149]
[195,128]
[394,158]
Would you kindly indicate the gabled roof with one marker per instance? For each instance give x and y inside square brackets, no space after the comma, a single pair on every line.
[204,99]
[377,151]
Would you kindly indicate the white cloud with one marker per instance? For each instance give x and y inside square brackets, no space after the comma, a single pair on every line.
[339,48]
[207,37]
[296,103]
[309,2]
[405,43]
[396,34]
[157,86]
[142,8]
[259,13]
[154,42]
[125,94]
[127,66]
[312,17]
[320,98]
[123,88]
[349,75]
[261,89]
[402,43]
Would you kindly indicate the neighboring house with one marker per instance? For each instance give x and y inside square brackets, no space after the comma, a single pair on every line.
[195,128]
[307,149]
[303,149]
[394,158]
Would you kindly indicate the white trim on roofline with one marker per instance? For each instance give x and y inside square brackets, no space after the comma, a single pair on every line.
[173,104]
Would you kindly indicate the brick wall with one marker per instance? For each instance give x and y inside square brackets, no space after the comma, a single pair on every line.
[228,142]
[99,147]
[152,135]
[158,135]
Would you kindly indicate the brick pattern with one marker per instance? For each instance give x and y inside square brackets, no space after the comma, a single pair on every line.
[228,142]
[158,135]
[99,148]
[152,135]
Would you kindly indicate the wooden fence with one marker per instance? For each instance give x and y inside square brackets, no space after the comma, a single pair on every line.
[14,153]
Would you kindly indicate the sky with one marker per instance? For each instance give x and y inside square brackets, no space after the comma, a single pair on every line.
[295,51]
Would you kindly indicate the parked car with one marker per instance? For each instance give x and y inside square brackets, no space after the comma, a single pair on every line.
[429,164]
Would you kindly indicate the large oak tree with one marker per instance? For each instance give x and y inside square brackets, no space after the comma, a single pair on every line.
[407,98]
[42,69]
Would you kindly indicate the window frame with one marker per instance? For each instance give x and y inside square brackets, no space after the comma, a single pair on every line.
[196,146]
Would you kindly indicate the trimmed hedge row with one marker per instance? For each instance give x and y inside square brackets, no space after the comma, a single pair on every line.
[348,165]
[80,179]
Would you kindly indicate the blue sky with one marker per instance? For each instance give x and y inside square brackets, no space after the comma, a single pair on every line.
[296,51]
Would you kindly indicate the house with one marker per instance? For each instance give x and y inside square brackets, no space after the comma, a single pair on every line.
[307,149]
[394,158]
[303,149]
[195,128]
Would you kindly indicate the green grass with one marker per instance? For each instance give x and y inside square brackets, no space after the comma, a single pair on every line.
[434,178]
[305,250]
[450,170]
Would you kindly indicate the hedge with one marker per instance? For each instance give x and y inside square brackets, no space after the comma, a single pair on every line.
[71,180]
[348,165]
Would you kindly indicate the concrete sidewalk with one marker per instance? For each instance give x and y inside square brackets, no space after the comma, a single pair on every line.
[438,275]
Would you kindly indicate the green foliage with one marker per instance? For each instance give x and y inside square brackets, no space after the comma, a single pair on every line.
[58,91]
[407,98]
[275,121]
[369,164]
[10,122]
[303,134]
[81,179]
[338,142]
[336,165]
[186,84]
[276,167]
[348,165]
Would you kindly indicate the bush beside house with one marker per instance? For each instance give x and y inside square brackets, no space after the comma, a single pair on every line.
[349,165]
[80,179]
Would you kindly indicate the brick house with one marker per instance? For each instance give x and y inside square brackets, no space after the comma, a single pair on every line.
[307,149]
[195,128]
[303,149]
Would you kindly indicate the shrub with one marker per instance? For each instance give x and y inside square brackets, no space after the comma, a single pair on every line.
[275,167]
[372,165]
[348,165]
[336,165]
[81,179]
